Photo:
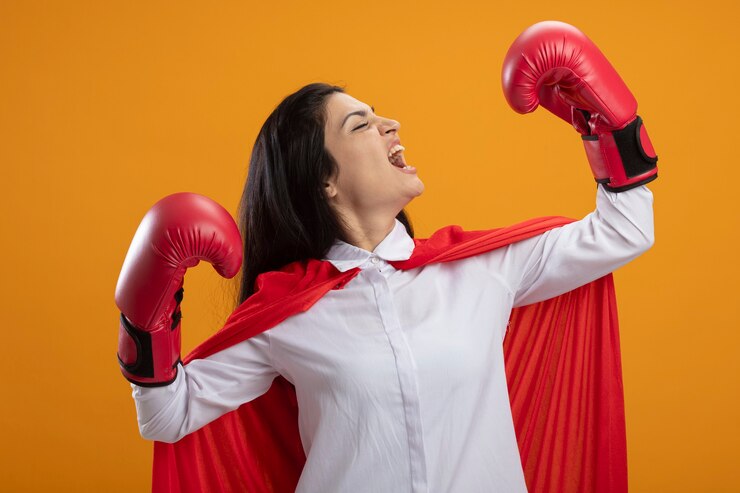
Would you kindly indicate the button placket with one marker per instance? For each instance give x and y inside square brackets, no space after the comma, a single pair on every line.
[406,370]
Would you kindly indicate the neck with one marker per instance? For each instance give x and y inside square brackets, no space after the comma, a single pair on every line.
[367,233]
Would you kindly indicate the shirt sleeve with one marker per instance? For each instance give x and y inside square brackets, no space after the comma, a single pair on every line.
[204,390]
[564,258]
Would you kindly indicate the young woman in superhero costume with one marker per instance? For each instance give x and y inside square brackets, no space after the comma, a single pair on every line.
[387,351]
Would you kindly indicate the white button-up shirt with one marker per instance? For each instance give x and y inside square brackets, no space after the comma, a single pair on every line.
[400,375]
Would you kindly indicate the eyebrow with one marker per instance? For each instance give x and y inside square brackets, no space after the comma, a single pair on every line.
[362,113]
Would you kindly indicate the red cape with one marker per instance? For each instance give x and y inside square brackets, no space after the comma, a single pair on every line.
[562,365]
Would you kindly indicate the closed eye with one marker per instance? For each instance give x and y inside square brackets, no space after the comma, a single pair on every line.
[357,128]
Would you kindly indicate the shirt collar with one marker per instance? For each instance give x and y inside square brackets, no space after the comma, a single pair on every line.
[397,245]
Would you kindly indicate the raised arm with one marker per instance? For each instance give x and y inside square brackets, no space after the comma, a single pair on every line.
[554,65]
[176,233]
[564,258]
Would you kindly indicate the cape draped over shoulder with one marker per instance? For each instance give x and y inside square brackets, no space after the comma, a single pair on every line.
[563,369]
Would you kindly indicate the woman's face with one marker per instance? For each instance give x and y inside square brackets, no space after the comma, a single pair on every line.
[359,141]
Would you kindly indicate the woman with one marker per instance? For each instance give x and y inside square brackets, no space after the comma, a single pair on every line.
[399,376]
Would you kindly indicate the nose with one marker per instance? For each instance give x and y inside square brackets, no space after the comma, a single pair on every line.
[388,126]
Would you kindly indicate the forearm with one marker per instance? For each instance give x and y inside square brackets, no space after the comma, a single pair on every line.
[204,390]
[625,219]
[162,412]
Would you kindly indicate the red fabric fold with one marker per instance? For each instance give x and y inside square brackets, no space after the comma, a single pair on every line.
[565,386]
[562,364]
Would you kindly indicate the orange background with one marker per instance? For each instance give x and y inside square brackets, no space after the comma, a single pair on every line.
[105,107]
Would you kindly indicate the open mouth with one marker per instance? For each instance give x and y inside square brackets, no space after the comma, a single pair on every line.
[395,157]
[398,161]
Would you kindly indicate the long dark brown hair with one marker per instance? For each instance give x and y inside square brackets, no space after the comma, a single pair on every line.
[283,213]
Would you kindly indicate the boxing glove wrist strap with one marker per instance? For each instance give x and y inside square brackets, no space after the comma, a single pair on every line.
[622,159]
[148,358]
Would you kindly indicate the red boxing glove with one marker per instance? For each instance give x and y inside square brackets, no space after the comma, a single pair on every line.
[178,232]
[555,65]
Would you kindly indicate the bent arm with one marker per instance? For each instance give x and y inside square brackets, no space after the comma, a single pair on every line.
[567,257]
[204,390]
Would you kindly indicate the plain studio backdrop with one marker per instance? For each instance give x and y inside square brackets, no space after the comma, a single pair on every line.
[105,107]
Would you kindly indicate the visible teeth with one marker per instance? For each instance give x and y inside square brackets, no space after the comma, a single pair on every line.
[395,148]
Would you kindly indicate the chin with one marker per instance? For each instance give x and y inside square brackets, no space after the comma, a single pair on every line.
[420,188]
[414,195]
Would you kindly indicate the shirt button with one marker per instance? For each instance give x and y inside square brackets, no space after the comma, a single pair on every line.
[374,260]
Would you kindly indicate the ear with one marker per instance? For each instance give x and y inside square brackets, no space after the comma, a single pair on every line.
[330,189]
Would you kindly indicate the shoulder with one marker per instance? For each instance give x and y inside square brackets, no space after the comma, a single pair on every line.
[453,242]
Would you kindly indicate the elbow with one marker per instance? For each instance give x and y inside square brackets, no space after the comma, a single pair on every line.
[648,238]
[148,432]
[650,242]
[632,242]
[639,244]
[637,238]
[645,242]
